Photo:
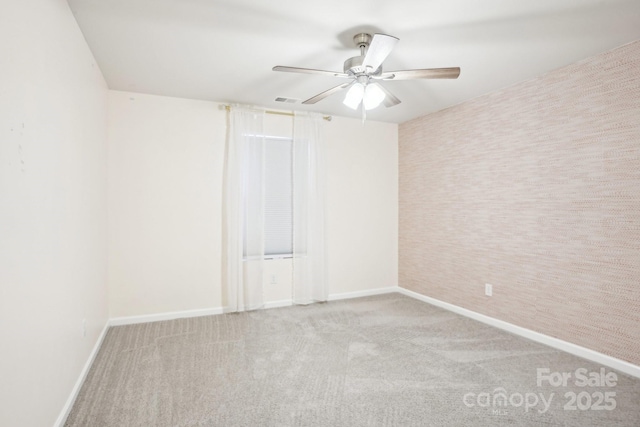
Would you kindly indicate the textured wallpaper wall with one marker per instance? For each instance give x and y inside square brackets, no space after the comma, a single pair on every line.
[534,189]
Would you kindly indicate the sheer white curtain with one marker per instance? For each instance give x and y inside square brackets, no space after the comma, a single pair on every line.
[309,250]
[244,211]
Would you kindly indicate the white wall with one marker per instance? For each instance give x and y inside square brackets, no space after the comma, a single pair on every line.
[362,196]
[165,208]
[52,208]
[165,203]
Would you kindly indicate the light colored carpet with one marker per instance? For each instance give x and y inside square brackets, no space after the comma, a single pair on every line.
[387,360]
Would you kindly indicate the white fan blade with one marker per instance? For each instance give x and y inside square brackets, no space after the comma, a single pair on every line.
[429,73]
[309,71]
[380,47]
[390,99]
[323,95]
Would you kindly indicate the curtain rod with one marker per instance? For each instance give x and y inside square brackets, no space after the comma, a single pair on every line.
[280,113]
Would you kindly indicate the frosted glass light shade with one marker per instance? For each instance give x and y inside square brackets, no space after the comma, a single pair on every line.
[373,96]
[354,96]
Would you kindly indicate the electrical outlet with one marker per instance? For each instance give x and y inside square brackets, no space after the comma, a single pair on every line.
[84,328]
[488,290]
[274,279]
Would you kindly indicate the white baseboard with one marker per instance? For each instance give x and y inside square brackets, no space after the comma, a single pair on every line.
[145,318]
[366,293]
[66,409]
[276,304]
[338,296]
[576,350]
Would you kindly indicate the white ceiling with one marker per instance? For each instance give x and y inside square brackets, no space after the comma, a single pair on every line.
[223,50]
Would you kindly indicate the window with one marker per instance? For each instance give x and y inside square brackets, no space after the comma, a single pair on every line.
[273,171]
[274,203]
[278,195]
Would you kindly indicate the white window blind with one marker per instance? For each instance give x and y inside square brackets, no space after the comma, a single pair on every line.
[278,194]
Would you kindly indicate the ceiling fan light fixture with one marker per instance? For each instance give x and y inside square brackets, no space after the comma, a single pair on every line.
[369,94]
[373,96]
[354,96]
[360,70]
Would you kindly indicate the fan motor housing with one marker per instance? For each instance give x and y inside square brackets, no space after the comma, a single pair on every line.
[353,67]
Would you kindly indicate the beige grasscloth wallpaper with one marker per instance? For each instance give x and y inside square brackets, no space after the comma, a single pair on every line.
[534,189]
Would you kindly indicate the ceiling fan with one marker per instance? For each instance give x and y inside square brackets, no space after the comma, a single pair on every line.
[365,71]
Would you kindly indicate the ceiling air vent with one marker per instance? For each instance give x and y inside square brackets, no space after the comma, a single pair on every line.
[287,100]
